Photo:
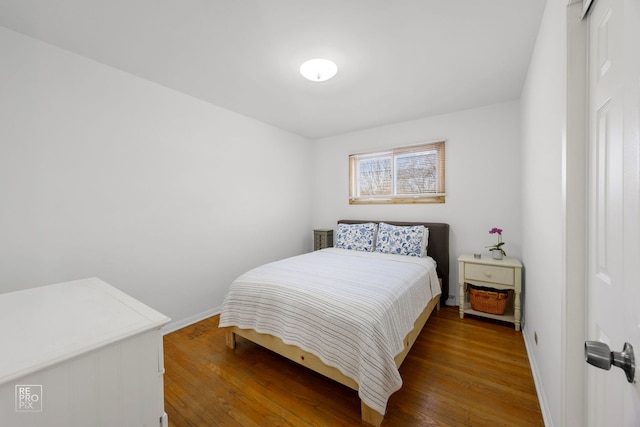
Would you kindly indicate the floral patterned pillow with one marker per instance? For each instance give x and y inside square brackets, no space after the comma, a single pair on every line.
[402,240]
[358,237]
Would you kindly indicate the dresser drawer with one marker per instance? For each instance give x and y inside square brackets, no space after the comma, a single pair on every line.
[489,273]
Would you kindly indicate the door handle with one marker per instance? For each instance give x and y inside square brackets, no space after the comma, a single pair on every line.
[599,355]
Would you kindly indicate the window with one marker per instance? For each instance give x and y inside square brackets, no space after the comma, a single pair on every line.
[402,175]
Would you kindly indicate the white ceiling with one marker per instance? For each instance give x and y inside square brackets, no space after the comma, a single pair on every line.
[398,59]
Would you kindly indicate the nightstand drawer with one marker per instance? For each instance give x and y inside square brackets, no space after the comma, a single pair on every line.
[489,273]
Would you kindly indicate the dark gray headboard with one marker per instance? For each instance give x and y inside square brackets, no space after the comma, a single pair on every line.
[438,247]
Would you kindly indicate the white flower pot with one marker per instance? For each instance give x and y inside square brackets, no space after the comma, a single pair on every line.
[496,254]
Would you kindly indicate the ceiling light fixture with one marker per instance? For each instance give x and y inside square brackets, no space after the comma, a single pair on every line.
[318,70]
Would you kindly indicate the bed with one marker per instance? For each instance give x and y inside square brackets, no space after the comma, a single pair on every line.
[311,308]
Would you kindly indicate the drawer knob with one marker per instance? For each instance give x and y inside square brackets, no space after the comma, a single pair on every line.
[487,274]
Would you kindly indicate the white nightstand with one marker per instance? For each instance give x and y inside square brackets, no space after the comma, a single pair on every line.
[499,274]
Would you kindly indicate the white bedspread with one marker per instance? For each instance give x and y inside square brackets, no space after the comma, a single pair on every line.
[351,309]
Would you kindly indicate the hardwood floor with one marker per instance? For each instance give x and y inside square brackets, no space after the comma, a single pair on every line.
[471,372]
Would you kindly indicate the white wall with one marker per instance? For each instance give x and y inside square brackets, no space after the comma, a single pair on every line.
[482,183]
[543,104]
[162,195]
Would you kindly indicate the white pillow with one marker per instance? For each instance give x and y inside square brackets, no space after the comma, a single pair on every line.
[425,241]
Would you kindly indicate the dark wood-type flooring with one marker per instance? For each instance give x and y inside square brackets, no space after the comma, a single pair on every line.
[471,372]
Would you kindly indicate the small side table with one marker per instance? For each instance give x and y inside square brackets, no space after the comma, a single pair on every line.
[499,274]
[322,238]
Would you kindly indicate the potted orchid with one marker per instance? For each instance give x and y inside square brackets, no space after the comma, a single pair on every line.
[496,250]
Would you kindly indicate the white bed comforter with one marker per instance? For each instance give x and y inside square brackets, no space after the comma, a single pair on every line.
[351,309]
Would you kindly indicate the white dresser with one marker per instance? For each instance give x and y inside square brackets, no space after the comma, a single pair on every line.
[80,354]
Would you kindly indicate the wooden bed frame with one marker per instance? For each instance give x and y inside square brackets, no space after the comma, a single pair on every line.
[438,248]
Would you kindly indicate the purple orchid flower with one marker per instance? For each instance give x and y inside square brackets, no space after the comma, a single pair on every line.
[497,246]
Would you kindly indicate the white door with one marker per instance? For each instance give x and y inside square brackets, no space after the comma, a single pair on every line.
[614,214]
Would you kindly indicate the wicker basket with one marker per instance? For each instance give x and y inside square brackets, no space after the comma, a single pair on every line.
[488,300]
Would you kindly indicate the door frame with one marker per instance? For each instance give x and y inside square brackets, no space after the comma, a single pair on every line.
[575,184]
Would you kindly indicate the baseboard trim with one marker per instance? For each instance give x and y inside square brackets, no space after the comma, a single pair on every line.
[179,324]
[544,406]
